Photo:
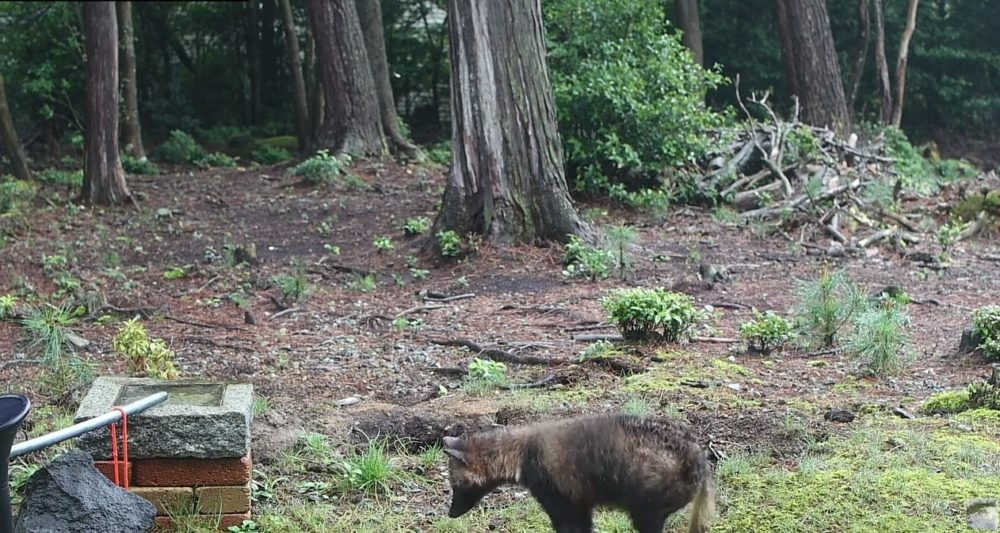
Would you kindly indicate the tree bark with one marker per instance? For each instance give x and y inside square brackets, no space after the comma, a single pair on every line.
[787,47]
[882,63]
[370,16]
[864,16]
[808,42]
[8,138]
[506,180]
[103,176]
[352,123]
[298,82]
[314,90]
[690,23]
[253,59]
[904,51]
[132,127]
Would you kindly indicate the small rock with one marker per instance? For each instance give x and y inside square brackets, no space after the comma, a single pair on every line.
[735,386]
[163,212]
[350,400]
[982,514]
[77,341]
[70,495]
[839,415]
[903,413]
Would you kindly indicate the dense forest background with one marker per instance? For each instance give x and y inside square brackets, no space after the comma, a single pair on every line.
[219,71]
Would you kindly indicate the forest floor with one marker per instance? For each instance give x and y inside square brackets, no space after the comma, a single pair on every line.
[343,367]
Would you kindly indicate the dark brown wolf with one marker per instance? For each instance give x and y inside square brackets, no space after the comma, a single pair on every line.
[649,468]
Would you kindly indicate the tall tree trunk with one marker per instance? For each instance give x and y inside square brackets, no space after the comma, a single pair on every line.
[133,130]
[370,16]
[314,89]
[506,180]
[864,16]
[904,51]
[253,58]
[690,23]
[103,176]
[808,42]
[352,123]
[8,138]
[882,63]
[269,55]
[787,47]
[298,82]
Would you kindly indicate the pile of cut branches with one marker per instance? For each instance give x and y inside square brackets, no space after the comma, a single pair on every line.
[805,177]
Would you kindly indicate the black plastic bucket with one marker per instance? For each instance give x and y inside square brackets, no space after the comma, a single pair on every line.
[13,409]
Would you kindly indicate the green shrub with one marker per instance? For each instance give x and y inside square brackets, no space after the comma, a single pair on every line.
[8,305]
[214,160]
[71,178]
[825,306]
[986,325]
[767,332]
[322,168]
[984,395]
[915,172]
[48,329]
[629,96]
[484,375]
[450,243]
[947,403]
[149,357]
[139,166]
[295,288]
[582,260]
[363,283]
[880,340]
[383,243]
[440,153]
[270,155]
[619,239]
[219,135]
[416,226]
[15,194]
[180,148]
[642,314]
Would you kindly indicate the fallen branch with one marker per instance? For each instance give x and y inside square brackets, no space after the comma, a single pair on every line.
[547,381]
[419,309]
[429,297]
[597,337]
[496,355]
[590,327]
[13,362]
[721,340]
[288,311]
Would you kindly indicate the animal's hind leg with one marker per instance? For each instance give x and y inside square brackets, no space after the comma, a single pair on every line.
[566,517]
[648,521]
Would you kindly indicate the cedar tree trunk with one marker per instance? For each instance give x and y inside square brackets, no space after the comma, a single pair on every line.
[904,51]
[352,123]
[506,180]
[8,138]
[370,16]
[864,15]
[133,130]
[807,42]
[690,22]
[103,176]
[298,82]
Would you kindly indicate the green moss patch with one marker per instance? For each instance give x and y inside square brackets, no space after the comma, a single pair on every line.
[947,403]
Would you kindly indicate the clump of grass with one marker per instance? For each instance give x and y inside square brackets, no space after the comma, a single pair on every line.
[485,375]
[49,330]
[599,350]
[369,472]
[215,159]
[637,407]
[363,283]
[431,456]
[581,260]
[880,340]
[323,168]
[643,314]
[619,239]
[295,287]
[825,306]
[767,332]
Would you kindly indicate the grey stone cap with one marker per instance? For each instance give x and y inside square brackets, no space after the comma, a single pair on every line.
[217,427]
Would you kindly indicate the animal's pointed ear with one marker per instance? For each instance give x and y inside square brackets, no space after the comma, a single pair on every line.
[457,454]
[453,442]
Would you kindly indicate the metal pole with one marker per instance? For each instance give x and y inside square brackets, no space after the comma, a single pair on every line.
[76,430]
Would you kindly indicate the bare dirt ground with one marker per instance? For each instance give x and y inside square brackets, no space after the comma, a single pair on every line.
[341,342]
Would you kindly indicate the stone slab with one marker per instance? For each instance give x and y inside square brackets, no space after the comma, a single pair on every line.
[200,425]
[223,500]
[191,472]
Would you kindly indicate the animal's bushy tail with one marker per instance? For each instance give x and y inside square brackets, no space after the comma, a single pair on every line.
[703,509]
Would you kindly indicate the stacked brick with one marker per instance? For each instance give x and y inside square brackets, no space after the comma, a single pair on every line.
[218,488]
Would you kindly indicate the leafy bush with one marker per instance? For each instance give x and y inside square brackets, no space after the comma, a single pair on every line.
[450,243]
[219,135]
[180,148]
[642,313]
[8,305]
[139,166]
[767,332]
[14,194]
[149,357]
[270,155]
[985,395]
[582,260]
[295,288]
[986,325]
[363,283]
[629,96]
[416,226]
[214,160]
[71,178]
[599,350]
[322,168]
[880,340]
[383,243]
[440,153]
[484,375]
[825,306]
